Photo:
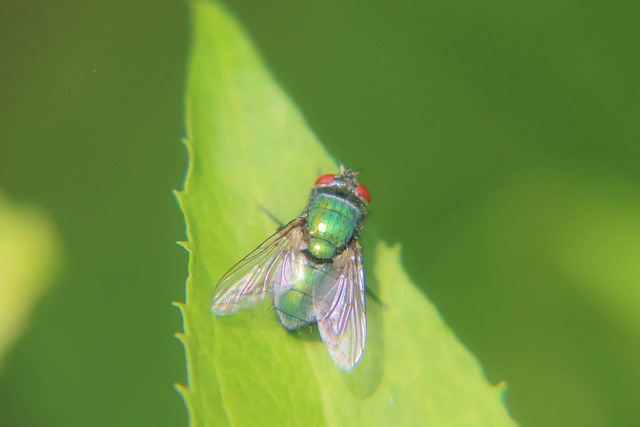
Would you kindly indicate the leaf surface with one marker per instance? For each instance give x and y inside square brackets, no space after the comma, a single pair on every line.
[249,149]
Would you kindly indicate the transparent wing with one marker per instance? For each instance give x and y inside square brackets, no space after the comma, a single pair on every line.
[341,308]
[270,266]
[295,304]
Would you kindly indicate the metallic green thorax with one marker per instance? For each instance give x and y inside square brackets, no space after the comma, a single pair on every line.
[331,222]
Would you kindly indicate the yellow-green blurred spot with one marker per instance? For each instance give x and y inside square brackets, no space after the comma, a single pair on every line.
[28,256]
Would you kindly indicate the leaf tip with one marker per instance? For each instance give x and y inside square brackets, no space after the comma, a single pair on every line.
[182,389]
[185,393]
[180,306]
[185,245]
[180,336]
[501,388]
[393,250]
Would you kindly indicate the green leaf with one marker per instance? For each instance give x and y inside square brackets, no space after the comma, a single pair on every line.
[250,148]
[28,259]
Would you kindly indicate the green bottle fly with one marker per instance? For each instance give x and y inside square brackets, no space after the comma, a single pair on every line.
[312,270]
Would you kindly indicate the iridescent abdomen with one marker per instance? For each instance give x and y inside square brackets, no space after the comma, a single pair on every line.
[331,222]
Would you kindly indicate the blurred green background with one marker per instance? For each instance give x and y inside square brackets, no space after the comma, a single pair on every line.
[499,141]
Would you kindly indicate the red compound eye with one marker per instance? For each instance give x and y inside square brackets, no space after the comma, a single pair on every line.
[325,179]
[363,192]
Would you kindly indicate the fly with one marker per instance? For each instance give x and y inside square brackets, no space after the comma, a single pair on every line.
[311,269]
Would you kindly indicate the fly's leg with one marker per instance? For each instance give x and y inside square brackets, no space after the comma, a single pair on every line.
[273,217]
[376,298]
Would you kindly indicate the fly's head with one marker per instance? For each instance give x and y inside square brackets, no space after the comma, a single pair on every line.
[344,184]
